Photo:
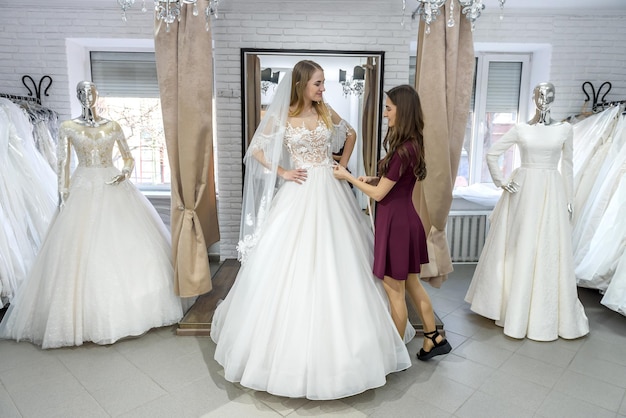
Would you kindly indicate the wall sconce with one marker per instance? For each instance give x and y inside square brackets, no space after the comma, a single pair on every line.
[268,79]
[355,85]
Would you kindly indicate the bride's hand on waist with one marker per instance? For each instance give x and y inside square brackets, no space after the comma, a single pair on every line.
[298,175]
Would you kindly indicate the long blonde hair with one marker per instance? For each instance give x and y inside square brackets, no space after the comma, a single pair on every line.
[303,72]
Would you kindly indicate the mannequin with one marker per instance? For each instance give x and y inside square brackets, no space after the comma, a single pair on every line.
[543,96]
[87,95]
[104,271]
[525,279]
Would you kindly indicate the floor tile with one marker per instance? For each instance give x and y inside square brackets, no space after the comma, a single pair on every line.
[591,390]
[460,370]
[98,367]
[599,368]
[622,408]
[206,395]
[559,405]
[128,394]
[532,370]
[548,352]
[284,406]
[178,371]
[371,400]
[243,406]
[335,408]
[487,406]
[441,391]
[409,407]
[7,407]
[515,390]
[49,397]
[487,374]
[494,336]
[482,353]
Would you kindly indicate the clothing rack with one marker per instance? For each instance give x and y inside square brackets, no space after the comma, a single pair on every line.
[34,94]
[20,98]
[599,104]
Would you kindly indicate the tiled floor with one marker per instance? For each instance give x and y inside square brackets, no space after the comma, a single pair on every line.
[486,375]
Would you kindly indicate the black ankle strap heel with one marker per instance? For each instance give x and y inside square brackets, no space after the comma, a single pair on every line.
[441,347]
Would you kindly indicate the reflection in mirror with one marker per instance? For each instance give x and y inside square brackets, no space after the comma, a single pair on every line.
[353,85]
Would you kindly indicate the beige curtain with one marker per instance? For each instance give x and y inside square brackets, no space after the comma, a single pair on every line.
[444,77]
[185,73]
[370,117]
[253,96]
[369,123]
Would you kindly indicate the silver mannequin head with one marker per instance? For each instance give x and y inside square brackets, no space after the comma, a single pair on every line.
[543,95]
[87,93]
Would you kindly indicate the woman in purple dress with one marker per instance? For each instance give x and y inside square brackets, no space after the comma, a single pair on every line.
[399,239]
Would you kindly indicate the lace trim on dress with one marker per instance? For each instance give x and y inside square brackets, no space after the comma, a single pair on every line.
[245,245]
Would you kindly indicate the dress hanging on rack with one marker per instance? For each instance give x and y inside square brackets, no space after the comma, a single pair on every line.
[28,196]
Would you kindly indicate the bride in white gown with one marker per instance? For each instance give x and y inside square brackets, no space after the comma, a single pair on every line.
[104,271]
[305,316]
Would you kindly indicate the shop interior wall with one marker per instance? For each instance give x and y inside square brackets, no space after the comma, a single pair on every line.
[34,41]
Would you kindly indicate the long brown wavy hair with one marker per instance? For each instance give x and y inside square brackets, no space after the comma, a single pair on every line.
[408,128]
[303,72]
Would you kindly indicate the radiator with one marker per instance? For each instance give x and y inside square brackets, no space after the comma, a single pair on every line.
[466,232]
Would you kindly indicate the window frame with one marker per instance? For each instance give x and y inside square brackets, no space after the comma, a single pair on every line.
[480,103]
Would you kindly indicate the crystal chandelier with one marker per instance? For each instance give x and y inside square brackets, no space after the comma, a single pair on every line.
[169,11]
[428,10]
[355,85]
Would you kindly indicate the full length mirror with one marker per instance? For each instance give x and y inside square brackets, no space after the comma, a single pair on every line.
[353,84]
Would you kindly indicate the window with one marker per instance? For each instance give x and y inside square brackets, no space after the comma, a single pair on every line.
[129,94]
[500,92]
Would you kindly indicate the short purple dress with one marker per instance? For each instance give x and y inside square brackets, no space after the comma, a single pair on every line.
[399,240]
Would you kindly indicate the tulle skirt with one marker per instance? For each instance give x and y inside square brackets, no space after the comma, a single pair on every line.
[104,271]
[305,316]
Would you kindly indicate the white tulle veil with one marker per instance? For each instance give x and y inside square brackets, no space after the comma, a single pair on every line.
[265,153]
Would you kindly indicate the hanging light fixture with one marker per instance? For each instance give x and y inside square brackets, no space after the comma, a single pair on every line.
[169,11]
[355,85]
[428,10]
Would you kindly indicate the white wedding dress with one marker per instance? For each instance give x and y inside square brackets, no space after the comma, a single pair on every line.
[104,271]
[306,317]
[525,278]
[28,197]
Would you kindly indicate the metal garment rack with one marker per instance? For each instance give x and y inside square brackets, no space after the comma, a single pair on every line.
[34,94]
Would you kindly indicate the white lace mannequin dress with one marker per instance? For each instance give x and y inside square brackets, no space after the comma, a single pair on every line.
[305,316]
[525,279]
[104,271]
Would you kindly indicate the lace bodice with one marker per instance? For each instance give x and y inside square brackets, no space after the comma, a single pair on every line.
[93,146]
[309,148]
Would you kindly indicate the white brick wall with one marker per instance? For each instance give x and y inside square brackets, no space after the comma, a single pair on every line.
[32,41]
